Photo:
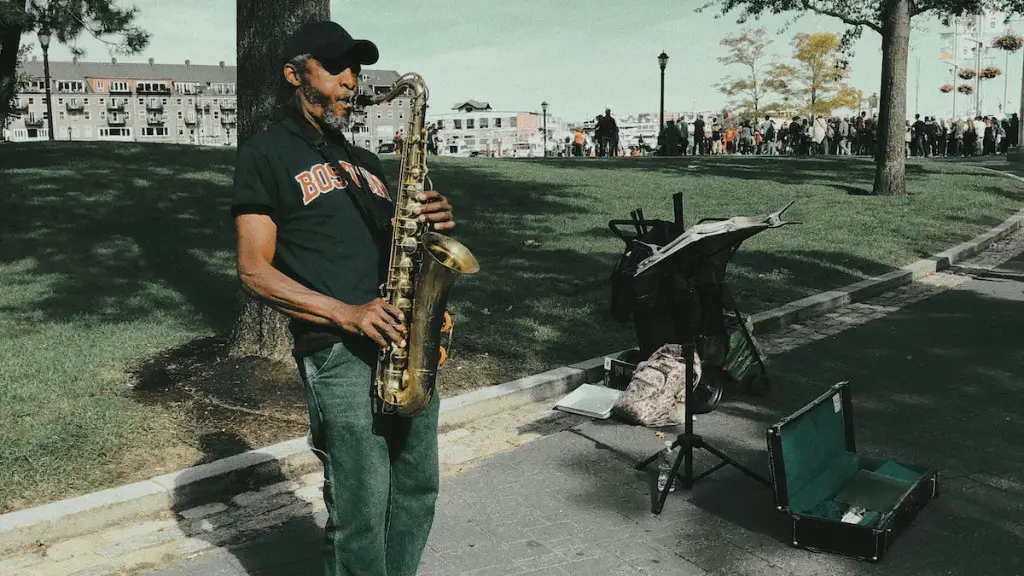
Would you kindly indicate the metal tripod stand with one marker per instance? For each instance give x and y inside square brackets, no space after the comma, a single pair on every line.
[687,442]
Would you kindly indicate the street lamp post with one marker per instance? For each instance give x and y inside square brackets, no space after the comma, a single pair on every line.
[544,107]
[662,62]
[44,41]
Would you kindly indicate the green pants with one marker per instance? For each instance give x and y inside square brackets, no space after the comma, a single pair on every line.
[380,472]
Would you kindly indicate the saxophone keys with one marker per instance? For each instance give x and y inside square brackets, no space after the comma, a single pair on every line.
[409,245]
[409,225]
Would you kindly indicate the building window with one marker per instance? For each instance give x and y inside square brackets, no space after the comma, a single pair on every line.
[118,86]
[483,123]
[60,100]
[100,87]
[401,115]
[497,122]
[440,124]
[469,123]
[391,114]
[179,101]
[61,115]
[115,132]
[512,122]
[88,116]
[70,86]
[457,124]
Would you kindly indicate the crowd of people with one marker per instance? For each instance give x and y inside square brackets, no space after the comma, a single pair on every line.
[816,135]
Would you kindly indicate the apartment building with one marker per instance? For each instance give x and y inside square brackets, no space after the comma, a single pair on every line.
[473,128]
[169,103]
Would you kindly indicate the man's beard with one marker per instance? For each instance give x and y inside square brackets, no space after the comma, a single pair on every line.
[329,120]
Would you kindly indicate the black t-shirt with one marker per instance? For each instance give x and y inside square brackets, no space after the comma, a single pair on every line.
[324,242]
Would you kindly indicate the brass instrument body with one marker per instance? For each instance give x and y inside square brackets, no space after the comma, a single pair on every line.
[422,268]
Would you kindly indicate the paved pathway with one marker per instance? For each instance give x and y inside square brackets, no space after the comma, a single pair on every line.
[936,371]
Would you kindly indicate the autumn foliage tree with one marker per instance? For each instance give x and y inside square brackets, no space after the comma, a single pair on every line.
[891,20]
[816,78]
[749,89]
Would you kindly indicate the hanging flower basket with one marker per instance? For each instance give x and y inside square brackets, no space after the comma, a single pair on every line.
[967,73]
[1008,41]
[965,89]
[946,88]
[990,72]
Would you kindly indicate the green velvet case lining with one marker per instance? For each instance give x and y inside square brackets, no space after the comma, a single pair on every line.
[824,479]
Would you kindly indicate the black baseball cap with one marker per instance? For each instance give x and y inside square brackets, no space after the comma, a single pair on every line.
[328,41]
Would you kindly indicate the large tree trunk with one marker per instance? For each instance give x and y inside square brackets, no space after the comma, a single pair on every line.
[890,172]
[263,28]
[10,42]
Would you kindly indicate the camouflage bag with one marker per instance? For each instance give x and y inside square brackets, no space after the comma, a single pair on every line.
[657,390]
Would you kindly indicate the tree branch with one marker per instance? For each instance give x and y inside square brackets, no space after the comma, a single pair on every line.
[808,5]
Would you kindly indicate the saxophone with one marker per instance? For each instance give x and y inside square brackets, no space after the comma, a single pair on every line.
[422,269]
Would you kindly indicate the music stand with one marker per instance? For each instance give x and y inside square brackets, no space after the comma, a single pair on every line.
[705,244]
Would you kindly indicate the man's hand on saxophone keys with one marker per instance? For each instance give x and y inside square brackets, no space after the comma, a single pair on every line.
[435,209]
[377,320]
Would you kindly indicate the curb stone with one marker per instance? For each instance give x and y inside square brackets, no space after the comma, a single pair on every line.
[209,483]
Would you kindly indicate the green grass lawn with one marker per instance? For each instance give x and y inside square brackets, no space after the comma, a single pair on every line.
[112,253]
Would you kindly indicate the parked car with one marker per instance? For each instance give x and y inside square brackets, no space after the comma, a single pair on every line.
[386,148]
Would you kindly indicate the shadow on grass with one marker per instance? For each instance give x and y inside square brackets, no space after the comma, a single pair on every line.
[126,231]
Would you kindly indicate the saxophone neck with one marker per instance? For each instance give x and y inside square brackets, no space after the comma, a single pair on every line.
[411,82]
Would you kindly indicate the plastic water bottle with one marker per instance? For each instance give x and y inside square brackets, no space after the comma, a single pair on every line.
[668,457]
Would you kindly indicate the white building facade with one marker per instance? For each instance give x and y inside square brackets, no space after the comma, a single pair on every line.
[473,128]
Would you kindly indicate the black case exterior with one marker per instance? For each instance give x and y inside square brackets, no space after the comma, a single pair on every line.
[823,535]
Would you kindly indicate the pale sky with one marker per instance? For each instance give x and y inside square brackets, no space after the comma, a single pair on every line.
[580,55]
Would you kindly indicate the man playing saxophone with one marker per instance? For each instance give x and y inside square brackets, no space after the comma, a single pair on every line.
[310,246]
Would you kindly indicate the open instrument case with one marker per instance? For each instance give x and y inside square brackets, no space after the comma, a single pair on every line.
[839,501]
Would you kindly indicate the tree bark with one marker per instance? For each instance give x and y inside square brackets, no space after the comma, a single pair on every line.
[890,156]
[10,43]
[262,30]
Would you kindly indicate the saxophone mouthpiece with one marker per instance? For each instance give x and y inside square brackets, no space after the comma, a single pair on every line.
[364,100]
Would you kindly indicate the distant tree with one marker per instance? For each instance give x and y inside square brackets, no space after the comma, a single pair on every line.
[262,28]
[749,89]
[814,81]
[891,19]
[66,20]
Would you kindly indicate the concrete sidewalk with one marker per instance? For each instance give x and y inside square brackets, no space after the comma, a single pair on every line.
[937,374]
